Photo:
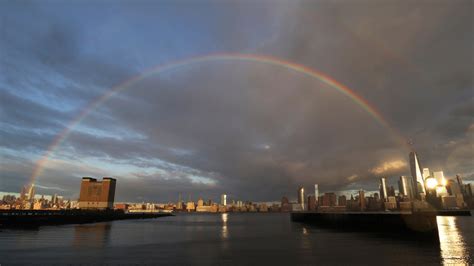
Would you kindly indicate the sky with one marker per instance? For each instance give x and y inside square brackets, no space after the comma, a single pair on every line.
[252,130]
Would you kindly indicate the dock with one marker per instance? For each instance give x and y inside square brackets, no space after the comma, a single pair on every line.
[460,212]
[36,218]
[416,223]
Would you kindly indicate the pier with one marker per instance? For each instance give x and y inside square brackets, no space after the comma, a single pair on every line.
[416,223]
[35,218]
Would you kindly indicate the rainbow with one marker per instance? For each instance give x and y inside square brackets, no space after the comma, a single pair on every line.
[269,60]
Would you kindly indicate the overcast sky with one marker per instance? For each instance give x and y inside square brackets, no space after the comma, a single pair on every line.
[248,129]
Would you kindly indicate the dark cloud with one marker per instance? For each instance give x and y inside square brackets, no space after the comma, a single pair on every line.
[251,130]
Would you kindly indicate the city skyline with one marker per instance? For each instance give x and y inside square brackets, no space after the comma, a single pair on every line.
[405,186]
[406,190]
[253,103]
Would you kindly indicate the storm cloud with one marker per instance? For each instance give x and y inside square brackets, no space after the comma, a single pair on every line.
[252,130]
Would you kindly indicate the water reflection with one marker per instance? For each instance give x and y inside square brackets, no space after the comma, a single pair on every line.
[92,235]
[452,244]
[305,231]
[224,232]
[306,241]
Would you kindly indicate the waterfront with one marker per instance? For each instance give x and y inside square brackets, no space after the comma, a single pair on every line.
[229,238]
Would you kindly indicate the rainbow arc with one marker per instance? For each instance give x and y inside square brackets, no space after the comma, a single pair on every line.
[251,58]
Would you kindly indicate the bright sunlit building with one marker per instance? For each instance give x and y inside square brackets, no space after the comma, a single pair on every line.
[383,188]
[224,199]
[97,194]
[405,186]
[439,176]
[301,197]
[418,180]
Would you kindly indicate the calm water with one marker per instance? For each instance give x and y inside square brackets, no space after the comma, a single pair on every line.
[229,239]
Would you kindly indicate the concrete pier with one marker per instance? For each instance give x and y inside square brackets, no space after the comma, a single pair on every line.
[35,218]
[419,223]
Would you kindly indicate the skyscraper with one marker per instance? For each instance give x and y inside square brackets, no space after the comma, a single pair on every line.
[54,199]
[224,199]
[23,193]
[391,191]
[31,192]
[405,186]
[362,203]
[329,199]
[316,191]
[200,202]
[453,188]
[459,179]
[28,193]
[311,203]
[418,181]
[464,188]
[342,201]
[383,188]
[179,205]
[426,173]
[301,197]
[439,176]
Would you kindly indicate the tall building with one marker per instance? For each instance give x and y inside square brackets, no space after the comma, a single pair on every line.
[312,203]
[362,204]
[31,192]
[383,188]
[391,191]
[342,201]
[97,194]
[301,197]
[23,193]
[224,199]
[200,202]
[468,190]
[28,193]
[439,176]
[453,188]
[459,180]
[54,199]
[376,196]
[418,180]
[316,191]
[426,173]
[179,205]
[405,186]
[329,199]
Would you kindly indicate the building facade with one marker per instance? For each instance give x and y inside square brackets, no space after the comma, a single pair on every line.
[405,187]
[329,199]
[312,203]
[97,194]
[418,180]
[383,188]
[301,197]
[224,199]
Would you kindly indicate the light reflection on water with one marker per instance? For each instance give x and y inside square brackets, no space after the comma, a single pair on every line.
[306,245]
[452,244]
[224,232]
[305,231]
[92,235]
